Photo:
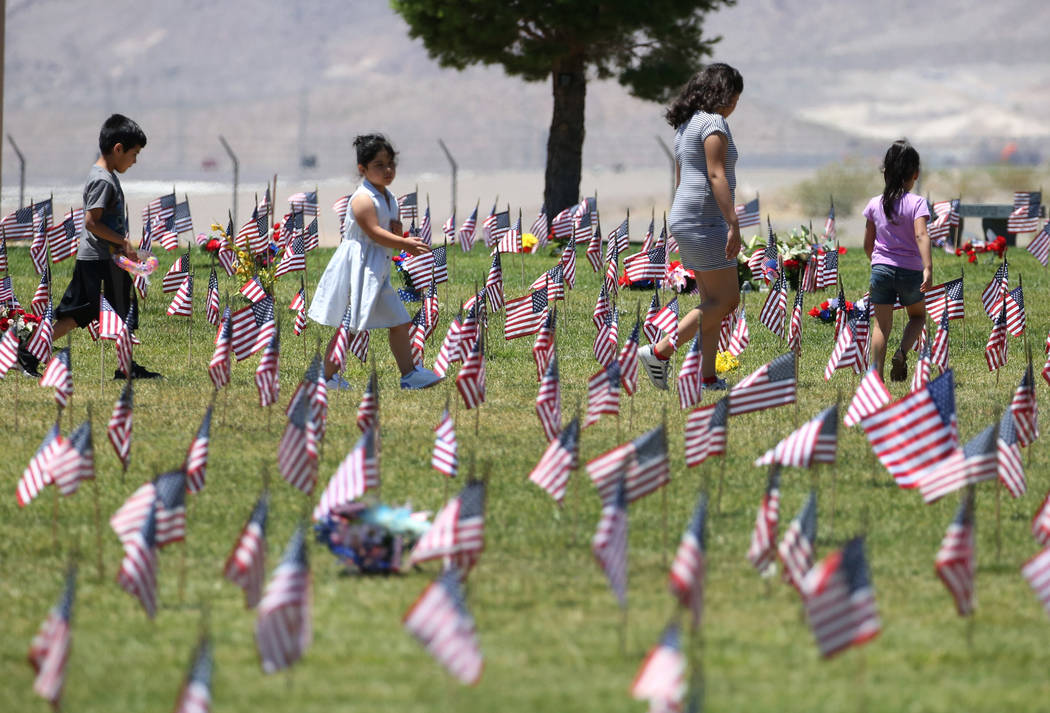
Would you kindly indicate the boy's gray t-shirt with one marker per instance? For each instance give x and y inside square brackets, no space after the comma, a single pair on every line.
[102,190]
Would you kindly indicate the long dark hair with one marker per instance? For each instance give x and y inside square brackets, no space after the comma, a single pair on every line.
[709,90]
[899,165]
[368,147]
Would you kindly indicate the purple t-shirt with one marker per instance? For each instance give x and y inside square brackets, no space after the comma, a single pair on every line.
[895,242]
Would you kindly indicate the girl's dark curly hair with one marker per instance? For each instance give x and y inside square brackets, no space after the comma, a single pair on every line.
[899,165]
[709,90]
[369,145]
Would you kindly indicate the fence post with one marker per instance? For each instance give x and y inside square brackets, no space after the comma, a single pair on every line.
[236,175]
[21,171]
[455,171]
[670,158]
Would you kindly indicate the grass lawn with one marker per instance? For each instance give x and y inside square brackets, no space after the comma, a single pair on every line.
[548,624]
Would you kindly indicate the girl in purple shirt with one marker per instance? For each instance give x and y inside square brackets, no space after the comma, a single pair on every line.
[898,246]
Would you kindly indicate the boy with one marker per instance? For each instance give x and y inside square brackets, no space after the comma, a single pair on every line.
[105,235]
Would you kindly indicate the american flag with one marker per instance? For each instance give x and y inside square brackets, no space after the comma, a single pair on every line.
[975,462]
[284,629]
[49,650]
[647,241]
[359,345]
[294,257]
[358,473]
[298,450]
[7,292]
[946,299]
[267,376]
[620,239]
[525,315]
[171,506]
[568,263]
[543,347]
[227,258]
[38,248]
[1040,246]
[1015,314]
[561,456]
[449,351]
[138,569]
[246,565]
[64,238]
[847,352]
[706,430]
[428,268]
[494,283]
[219,366]
[162,207]
[921,373]
[799,545]
[646,463]
[341,207]
[775,307]
[829,225]
[182,304]
[368,409]
[255,233]
[917,432]
[448,229]
[628,359]
[441,623]
[794,335]
[444,458]
[666,320]
[341,342]
[509,240]
[740,336]
[612,269]
[39,344]
[603,393]
[647,265]
[816,441]
[765,262]
[840,601]
[291,228]
[947,216]
[466,231]
[305,202]
[601,308]
[181,220]
[176,274]
[748,214]
[487,225]
[119,428]
[426,232]
[686,580]
[310,237]
[75,461]
[606,341]
[408,206]
[995,351]
[1024,409]
[1011,472]
[195,696]
[939,350]
[1025,216]
[130,516]
[762,551]
[956,560]
[1041,522]
[594,250]
[8,351]
[548,401]
[470,381]
[1036,572]
[995,292]
[583,219]
[211,303]
[196,464]
[252,327]
[298,305]
[457,535]
[808,282]
[253,289]
[562,224]
[541,227]
[37,474]
[689,377]
[3,252]
[609,543]
[661,678]
[769,386]
[871,396]
[163,231]
[828,273]
[19,226]
[554,280]
[59,373]
[42,296]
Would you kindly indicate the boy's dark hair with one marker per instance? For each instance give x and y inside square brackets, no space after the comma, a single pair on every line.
[898,166]
[369,145]
[119,129]
[710,89]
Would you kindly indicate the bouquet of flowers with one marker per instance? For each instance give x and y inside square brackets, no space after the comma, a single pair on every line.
[370,539]
[19,320]
[263,265]
[972,248]
[797,248]
[677,277]
[827,310]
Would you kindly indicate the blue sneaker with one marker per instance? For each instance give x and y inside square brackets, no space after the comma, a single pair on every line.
[337,383]
[419,378]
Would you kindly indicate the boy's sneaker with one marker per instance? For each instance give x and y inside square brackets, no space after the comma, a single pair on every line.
[337,383]
[29,364]
[899,367]
[137,372]
[419,378]
[719,384]
[657,369]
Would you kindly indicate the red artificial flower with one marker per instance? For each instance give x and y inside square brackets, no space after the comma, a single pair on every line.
[31,318]
[849,305]
[825,304]
[4,324]
[972,258]
[842,250]
[791,264]
[814,312]
[212,245]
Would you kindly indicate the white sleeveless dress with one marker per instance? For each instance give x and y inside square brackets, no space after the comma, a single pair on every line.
[358,274]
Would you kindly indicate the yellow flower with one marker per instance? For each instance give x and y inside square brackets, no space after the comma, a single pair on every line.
[527,241]
[724,361]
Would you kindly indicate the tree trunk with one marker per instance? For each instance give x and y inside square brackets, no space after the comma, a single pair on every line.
[565,141]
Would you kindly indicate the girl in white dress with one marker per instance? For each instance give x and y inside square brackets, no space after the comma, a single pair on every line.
[358,275]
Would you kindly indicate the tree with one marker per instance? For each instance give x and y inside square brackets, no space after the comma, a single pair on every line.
[652,48]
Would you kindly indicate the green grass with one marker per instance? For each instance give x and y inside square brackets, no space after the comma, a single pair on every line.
[547,622]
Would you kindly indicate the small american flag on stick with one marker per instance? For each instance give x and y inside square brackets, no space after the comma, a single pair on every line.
[246,565]
[561,457]
[840,601]
[686,580]
[956,560]
[441,623]
[284,629]
[762,552]
[50,648]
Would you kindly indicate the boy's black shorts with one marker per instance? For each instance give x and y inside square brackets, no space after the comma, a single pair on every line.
[90,277]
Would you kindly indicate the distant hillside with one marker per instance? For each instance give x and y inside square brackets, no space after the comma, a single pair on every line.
[280,80]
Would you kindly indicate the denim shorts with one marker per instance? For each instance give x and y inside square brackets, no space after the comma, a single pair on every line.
[890,284]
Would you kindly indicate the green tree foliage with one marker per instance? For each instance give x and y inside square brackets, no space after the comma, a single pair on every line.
[652,48]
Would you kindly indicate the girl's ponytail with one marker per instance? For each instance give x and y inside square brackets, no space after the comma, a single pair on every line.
[899,165]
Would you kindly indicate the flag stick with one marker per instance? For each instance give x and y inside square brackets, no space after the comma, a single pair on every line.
[54,517]
[722,470]
[998,521]
[101,366]
[663,501]
[182,559]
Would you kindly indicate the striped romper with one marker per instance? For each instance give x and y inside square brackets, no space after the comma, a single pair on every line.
[695,221]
